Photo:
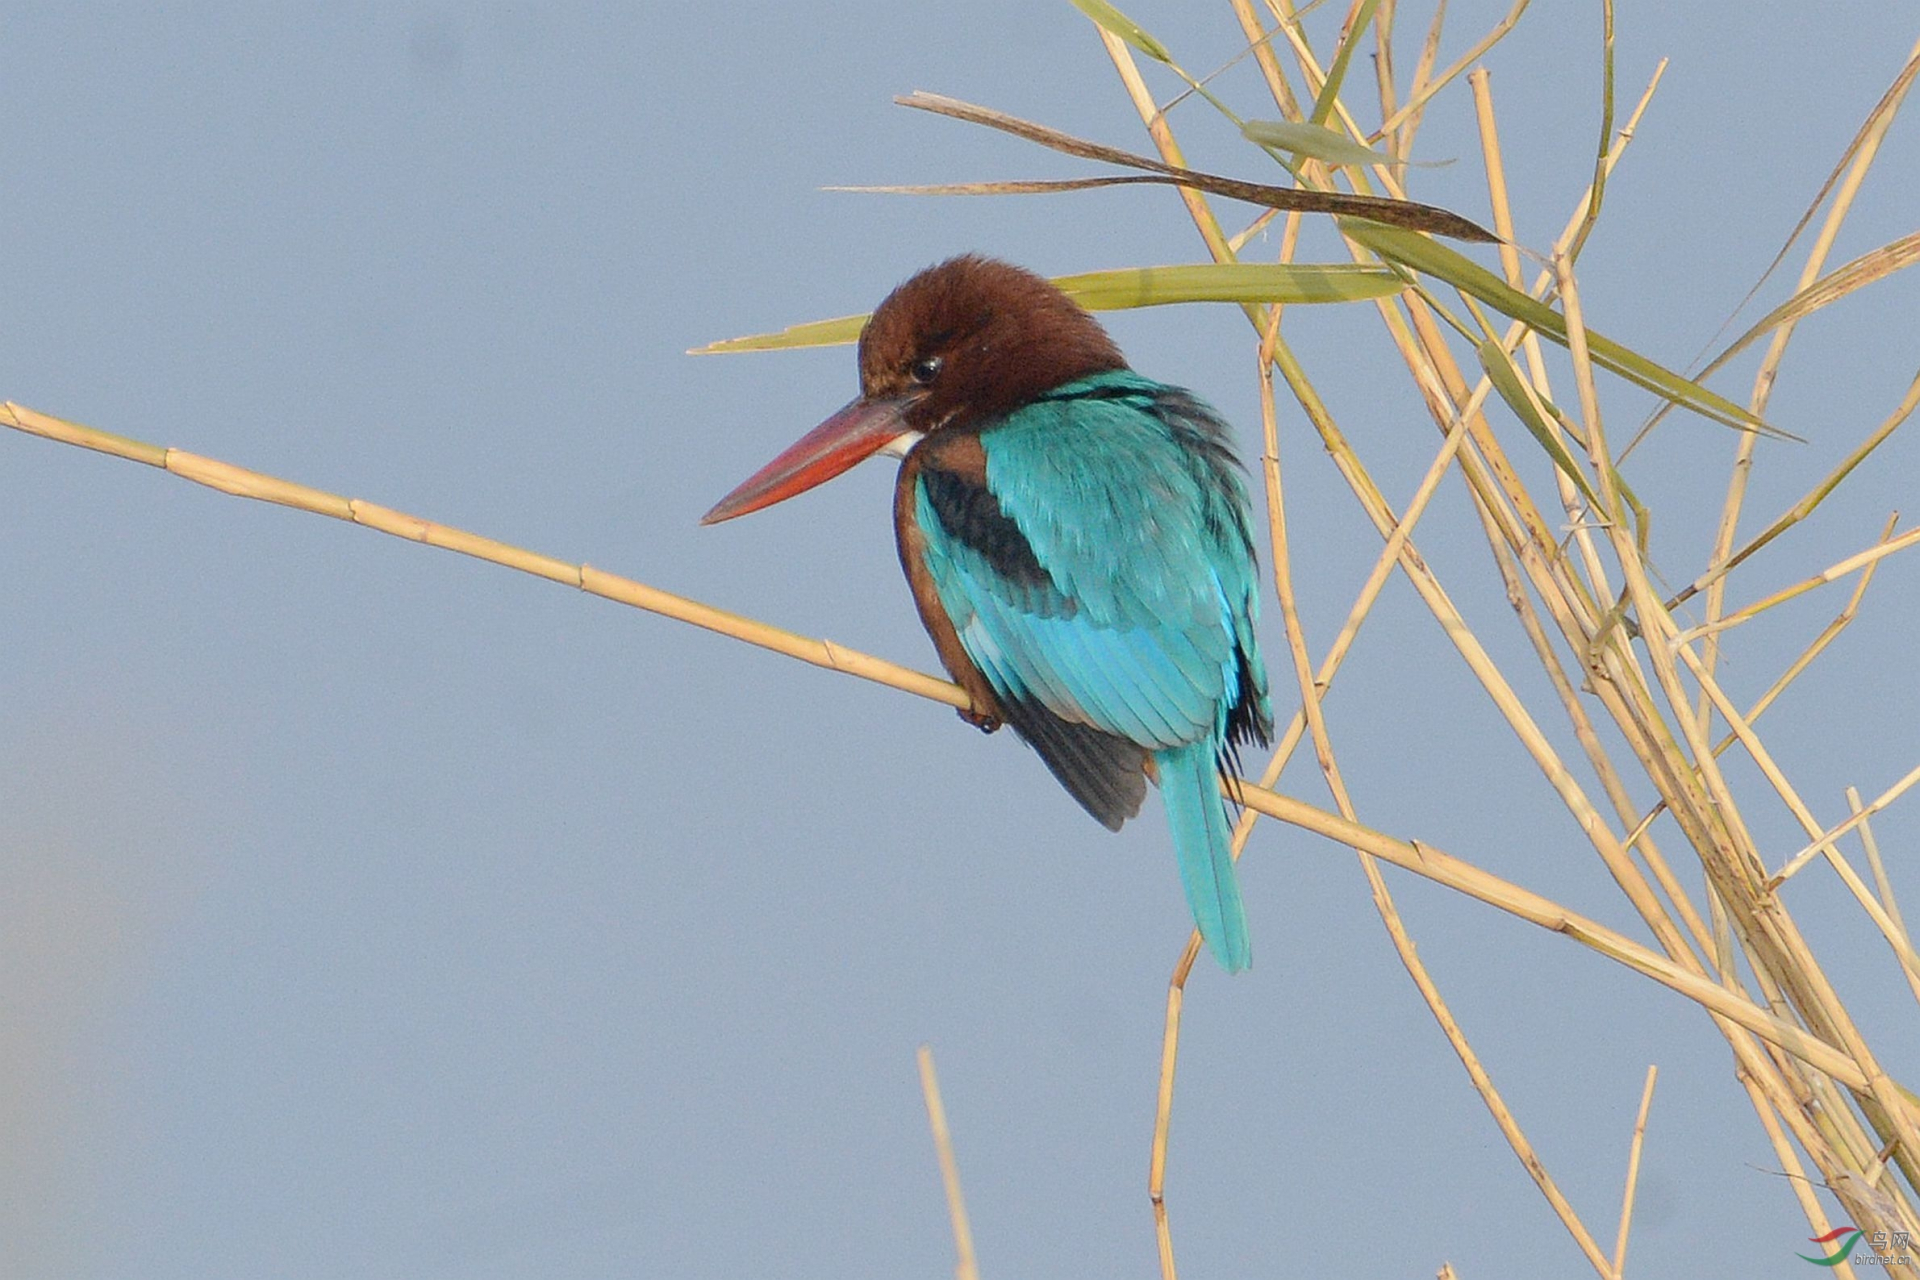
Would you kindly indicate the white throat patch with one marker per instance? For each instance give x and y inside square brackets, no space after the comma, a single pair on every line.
[898,446]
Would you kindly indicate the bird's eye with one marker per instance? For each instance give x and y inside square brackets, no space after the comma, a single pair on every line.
[925,370]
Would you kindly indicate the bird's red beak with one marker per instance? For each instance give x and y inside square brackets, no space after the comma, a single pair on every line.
[857,432]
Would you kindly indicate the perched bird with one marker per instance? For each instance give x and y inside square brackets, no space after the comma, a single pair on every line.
[1077,541]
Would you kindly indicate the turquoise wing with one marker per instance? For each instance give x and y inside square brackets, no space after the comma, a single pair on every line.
[1106,571]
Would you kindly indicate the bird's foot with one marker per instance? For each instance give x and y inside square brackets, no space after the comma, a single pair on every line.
[984,723]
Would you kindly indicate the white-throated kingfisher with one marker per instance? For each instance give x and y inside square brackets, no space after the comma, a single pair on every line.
[1077,541]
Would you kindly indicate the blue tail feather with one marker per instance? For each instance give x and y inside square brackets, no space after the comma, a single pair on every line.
[1189,787]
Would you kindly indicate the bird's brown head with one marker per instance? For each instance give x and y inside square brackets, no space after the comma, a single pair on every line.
[972,338]
[956,346]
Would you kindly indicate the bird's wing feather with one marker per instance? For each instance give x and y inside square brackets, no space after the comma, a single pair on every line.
[1105,774]
[1098,567]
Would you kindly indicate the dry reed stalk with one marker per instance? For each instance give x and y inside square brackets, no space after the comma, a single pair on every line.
[242,483]
[1814,497]
[964,1267]
[1426,85]
[1883,886]
[1633,1173]
[1832,573]
[1815,647]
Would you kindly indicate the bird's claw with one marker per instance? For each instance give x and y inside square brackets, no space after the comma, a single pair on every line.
[984,723]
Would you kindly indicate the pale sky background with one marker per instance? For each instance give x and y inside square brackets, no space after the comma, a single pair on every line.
[370,911]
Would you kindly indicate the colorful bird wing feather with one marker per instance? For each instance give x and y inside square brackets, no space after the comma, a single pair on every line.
[1103,569]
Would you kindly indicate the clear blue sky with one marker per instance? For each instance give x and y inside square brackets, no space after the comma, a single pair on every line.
[370,911]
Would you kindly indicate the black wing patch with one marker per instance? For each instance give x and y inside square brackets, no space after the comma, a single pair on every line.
[971,515]
[1248,718]
[1105,773]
